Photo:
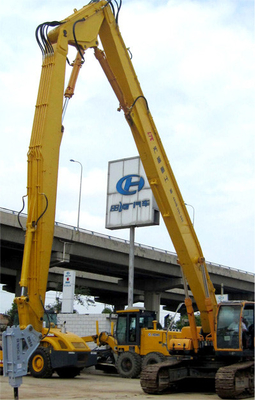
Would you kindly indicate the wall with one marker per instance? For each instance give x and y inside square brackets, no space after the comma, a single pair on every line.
[85,324]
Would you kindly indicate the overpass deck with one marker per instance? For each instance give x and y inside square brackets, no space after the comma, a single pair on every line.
[101,265]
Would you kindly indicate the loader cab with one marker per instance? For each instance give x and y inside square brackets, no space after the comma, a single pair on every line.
[49,319]
[130,323]
[235,328]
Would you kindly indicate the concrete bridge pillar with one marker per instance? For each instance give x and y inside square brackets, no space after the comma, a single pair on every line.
[152,302]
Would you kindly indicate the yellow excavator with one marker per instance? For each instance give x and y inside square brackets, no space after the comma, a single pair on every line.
[224,355]
[213,349]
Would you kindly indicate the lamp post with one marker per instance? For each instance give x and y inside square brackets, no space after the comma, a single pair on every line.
[193,222]
[79,205]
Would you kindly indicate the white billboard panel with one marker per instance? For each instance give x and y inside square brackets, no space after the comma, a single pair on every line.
[68,291]
[221,297]
[130,201]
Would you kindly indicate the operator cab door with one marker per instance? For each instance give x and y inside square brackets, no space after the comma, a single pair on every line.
[129,325]
[235,327]
[127,332]
[247,324]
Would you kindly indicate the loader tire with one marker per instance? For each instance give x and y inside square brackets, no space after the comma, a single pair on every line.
[153,358]
[128,365]
[40,364]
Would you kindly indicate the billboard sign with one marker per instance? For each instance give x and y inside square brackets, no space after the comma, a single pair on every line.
[68,291]
[221,297]
[130,201]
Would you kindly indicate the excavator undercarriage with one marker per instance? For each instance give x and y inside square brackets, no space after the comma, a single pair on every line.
[232,381]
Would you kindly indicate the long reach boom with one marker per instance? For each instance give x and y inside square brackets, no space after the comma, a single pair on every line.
[83,30]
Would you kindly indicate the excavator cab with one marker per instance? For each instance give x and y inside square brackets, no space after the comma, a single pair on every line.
[235,328]
[130,323]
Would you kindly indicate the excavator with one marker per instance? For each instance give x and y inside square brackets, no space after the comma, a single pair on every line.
[225,355]
[213,349]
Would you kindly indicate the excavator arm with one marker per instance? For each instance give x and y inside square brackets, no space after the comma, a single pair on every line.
[83,30]
[121,75]
[97,20]
[116,63]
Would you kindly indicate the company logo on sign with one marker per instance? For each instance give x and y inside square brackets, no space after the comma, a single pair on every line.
[130,201]
[67,279]
[120,207]
[126,184]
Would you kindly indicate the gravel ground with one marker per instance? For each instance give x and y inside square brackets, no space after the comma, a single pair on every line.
[95,385]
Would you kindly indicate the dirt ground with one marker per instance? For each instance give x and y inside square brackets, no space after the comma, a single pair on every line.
[92,385]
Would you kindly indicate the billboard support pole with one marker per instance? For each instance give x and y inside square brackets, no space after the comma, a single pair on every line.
[131,267]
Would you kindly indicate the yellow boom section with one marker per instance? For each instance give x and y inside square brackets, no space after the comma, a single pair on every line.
[81,30]
[158,169]
[43,156]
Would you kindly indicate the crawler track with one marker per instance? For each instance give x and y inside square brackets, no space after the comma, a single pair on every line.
[235,381]
[155,378]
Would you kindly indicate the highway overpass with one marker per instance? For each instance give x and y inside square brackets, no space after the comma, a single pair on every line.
[101,265]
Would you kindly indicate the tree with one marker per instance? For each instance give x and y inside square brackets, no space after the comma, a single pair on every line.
[55,307]
[184,321]
[12,314]
[107,310]
[81,296]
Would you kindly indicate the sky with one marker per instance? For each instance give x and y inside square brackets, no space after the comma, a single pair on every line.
[195,63]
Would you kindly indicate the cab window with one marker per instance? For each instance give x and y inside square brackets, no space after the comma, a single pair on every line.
[121,330]
[132,329]
[228,327]
[146,321]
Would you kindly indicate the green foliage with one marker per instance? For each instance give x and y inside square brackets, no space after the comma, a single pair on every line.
[107,310]
[82,296]
[184,321]
[12,314]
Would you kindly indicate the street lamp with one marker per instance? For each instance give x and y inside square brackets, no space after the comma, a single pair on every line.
[79,205]
[193,222]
